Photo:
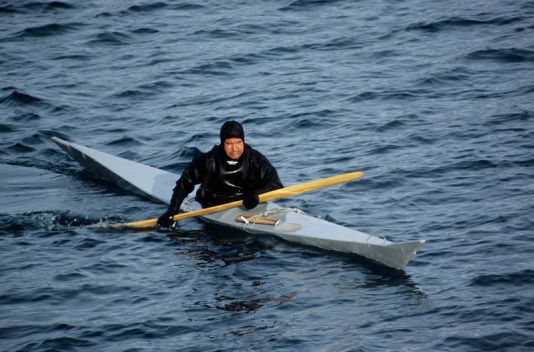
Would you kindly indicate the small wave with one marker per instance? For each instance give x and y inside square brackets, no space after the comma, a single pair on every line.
[21,148]
[501,341]
[35,138]
[386,182]
[443,79]
[144,90]
[233,304]
[17,98]
[459,22]
[188,6]
[246,59]
[14,331]
[195,139]
[104,266]
[524,163]
[125,141]
[519,117]
[464,165]
[145,30]
[391,125]
[55,158]
[59,5]
[421,140]
[80,57]
[54,161]
[510,55]
[130,93]
[298,123]
[238,305]
[306,4]
[110,38]
[518,278]
[217,68]
[342,43]
[246,29]
[5,128]
[365,96]
[58,344]
[149,7]
[46,30]
[307,119]
[218,33]
[306,123]
[157,85]
[69,277]
[385,148]
[48,220]
[186,154]
[7,9]
[36,5]
[26,117]
[24,298]
[48,5]
[104,14]
[281,50]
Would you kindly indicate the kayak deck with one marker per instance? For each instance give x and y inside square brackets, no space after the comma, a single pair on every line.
[295,226]
[289,224]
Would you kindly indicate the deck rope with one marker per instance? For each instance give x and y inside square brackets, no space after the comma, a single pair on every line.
[251,221]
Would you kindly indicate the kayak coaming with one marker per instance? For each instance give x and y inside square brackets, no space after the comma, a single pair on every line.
[294,225]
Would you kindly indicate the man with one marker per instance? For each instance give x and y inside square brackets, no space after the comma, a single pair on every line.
[230,171]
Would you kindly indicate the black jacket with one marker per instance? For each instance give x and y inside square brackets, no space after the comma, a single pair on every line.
[221,181]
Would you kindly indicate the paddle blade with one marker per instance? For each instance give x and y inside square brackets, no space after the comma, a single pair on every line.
[143,224]
[264,197]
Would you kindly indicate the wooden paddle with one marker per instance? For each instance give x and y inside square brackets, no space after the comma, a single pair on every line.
[272,195]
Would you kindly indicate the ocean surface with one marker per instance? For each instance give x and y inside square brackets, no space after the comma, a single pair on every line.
[433,100]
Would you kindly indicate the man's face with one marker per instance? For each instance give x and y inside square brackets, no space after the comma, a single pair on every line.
[234,148]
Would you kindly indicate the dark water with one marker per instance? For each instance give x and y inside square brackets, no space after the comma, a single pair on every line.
[434,100]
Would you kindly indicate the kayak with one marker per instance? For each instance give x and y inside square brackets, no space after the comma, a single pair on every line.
[268,218]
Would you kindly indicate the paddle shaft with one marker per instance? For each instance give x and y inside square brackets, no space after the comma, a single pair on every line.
[264,197]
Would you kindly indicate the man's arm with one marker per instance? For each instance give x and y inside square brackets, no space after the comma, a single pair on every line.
[265,179]
[185,185]
[269,180]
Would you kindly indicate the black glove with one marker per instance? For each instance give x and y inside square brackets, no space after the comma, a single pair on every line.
[174,207]
[165,220]
[250,199]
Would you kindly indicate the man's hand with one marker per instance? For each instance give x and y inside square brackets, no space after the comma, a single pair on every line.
[165,220]
[250,199]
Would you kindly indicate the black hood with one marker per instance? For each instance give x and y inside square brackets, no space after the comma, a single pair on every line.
[232,129]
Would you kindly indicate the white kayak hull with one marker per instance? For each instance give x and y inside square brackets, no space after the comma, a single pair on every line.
[290,224]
